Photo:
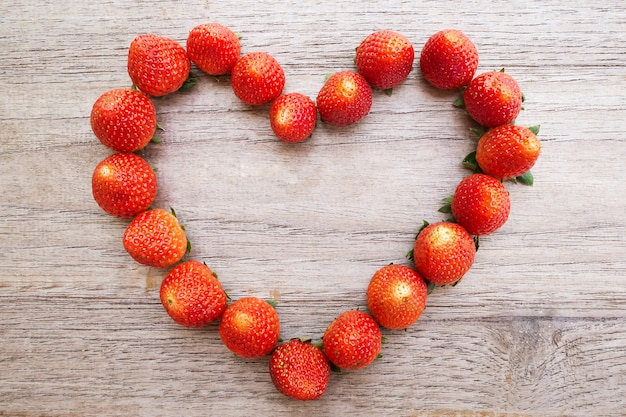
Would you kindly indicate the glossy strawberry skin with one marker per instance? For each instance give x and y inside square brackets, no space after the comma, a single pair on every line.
[293,117]
[481,204]
[192,295]
[344,99]
[250,327]
[385,59]
[396,296]
[493,99]
[214,48]
[157,65]
[155,238]
[124,185]
[257,78]
[299,370]
[353,340]
[449,59]
[443,252]
[124,119]
[507,151]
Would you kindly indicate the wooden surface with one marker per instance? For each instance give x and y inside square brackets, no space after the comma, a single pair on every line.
[537,327]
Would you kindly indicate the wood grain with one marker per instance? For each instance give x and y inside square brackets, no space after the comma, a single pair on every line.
[536,328]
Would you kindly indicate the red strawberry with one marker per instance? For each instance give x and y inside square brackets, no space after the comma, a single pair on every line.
[299,370]
[124,185]
[293,117]
[385,59]
[481,204]
[192,295]
[157,65]
[449,59]
[443,252]
[155,238]
[493,98]
[250,327]
[396,296]
[352,340]
[214,48]
[507,151]
[257,78]
[124,119]
[344,99]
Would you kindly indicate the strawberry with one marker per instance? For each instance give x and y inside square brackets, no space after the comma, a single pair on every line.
[385,59]
[124,119]
[344,99]
[396,296]
[507,151]
[257,78]
[493,98]
[293,117]
[157,65]
[192,295]
[353,340]
[213,47]
[250,327]
[481,204]
[299,370]
[443,252]
[155,238]
[124,185]
[449,59]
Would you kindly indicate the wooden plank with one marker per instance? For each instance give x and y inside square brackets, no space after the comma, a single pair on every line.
[536,328]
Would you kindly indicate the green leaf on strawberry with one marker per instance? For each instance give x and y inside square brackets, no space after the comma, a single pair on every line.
[470,162]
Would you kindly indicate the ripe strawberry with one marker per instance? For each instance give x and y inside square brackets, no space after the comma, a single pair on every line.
[124,185]
[250,327]
[493,98]
[344,99]
[352,340]
[293,117]
[481,204]
[449,59]
[257,78]
[214,48]
[155,238]
[192,295]
[443,252]
[385,59]
[124,119]
[157,65]
[299,370]
[396,296]
[507,151]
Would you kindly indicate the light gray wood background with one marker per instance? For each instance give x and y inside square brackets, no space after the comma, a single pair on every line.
[537,326]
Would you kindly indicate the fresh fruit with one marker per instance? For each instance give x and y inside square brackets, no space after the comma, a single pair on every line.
[385,59]
[353,340]
[157,65]
[213,47]
[443,252]
[396,296]
[192,295]
[124,185]
[250,327]
[299,370]
[124,119]
[481,204]
[493,98]
[155,238]
[344,99]
[449,59]
[507,151]
[293,117]
[257,78]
